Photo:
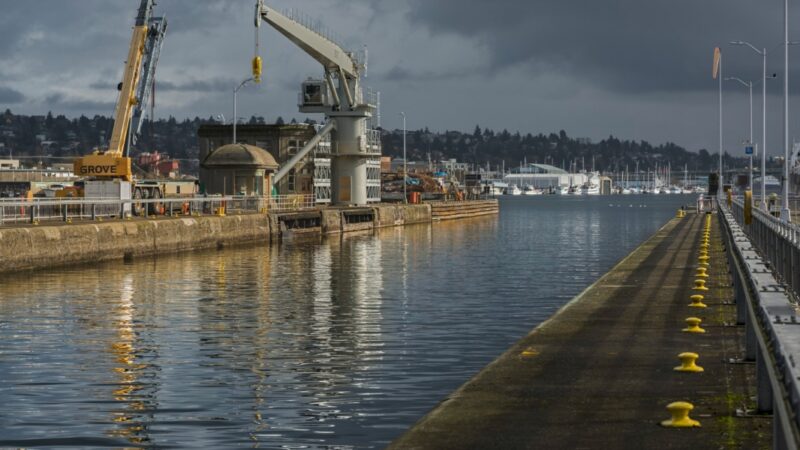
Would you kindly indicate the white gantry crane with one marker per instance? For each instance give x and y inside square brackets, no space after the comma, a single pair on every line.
[355,149]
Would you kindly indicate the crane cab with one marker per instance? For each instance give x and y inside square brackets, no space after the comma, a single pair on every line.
[314,97]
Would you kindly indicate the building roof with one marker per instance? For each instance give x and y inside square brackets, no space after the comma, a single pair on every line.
[240,155]
[540,169]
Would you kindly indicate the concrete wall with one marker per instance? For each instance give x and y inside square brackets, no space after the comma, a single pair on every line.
[38,247]
[48,246]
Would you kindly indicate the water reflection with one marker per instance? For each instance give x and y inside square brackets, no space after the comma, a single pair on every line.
[337,342]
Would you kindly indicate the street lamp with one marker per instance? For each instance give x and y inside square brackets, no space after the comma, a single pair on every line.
[405,172]
[235,92]
[785,213]
[763,53]
[748,85]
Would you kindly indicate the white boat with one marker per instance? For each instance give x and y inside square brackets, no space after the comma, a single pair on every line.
[562,190]
[530,190]
[513,190]
[626,191]
[590,189]
[575,190]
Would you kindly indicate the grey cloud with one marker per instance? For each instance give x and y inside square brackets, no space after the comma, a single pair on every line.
[9,95]
[60,101]
[624,45]
[216,84]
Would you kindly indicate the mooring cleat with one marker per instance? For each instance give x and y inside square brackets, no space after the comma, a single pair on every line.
[688,363]
[680,416]
[693,325]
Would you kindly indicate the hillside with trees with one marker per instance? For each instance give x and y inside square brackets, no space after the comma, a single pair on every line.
[50,136]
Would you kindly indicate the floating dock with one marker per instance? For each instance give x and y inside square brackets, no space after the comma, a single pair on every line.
[601,372]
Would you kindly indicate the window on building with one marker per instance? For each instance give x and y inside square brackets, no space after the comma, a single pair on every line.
[290,181]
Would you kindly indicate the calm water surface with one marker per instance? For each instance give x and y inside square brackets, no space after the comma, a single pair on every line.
[341,343]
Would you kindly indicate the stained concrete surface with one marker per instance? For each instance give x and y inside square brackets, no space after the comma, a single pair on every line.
[600,373]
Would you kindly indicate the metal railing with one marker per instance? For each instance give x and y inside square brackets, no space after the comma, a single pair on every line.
[68,210]
[776,240]
[772,331]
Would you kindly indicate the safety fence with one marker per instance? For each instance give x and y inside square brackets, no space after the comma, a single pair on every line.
[771,320]
[776,240]
[68,210]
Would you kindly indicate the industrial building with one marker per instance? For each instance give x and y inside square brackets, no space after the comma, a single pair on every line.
[310,176]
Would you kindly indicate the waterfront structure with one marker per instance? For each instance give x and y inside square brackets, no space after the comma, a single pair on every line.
[238,169]
[311,175]
[544,176]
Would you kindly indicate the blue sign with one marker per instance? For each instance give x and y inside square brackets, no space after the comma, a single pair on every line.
[748,150]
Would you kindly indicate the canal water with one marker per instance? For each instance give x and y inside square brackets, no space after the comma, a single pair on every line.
[338,343]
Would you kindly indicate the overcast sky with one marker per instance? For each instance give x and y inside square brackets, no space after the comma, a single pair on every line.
[635,69]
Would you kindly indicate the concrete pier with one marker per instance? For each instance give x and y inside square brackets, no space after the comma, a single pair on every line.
[600,373]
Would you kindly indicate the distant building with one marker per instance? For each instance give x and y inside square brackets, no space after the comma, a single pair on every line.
[310,176]
[544,176]
[9,164]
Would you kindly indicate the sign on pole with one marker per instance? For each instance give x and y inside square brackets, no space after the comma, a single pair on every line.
[748,149]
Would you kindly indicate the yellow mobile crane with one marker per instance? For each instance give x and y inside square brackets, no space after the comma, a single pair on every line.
[136,88]
[113,163]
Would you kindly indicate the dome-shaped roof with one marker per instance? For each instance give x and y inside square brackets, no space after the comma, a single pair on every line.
[240,155]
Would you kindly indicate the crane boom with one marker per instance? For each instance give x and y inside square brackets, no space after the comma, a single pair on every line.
[157,29]
[113,163]
[127,97]
[326,52]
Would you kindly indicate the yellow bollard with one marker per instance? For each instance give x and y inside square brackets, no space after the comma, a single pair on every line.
[693,325]
[704,259]
[688,363]
[697,301]
[680,416]
[701,272]
[700,285]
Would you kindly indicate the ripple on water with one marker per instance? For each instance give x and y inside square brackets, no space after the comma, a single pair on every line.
[341,343]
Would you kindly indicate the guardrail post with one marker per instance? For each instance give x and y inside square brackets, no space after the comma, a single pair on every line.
[739,298]
[64,214]
[94,211]
[764,394]
[32,214]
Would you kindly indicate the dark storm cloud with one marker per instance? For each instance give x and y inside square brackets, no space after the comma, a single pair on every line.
[9,95]
[624,45]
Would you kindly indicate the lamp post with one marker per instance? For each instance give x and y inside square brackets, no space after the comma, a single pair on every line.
[748,85]
[785,213]
[405,167]
[721,177]
[235,92]
[763,53]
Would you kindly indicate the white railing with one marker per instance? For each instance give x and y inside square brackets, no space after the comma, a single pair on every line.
[68,210]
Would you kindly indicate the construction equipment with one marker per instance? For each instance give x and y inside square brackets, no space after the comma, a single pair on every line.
[355,149]
[108,172]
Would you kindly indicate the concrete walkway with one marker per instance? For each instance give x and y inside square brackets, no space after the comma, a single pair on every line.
[600,373]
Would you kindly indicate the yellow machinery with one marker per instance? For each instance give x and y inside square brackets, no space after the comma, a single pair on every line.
[114,163]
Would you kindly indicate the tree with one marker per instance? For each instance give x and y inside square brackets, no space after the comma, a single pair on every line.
[279,121]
